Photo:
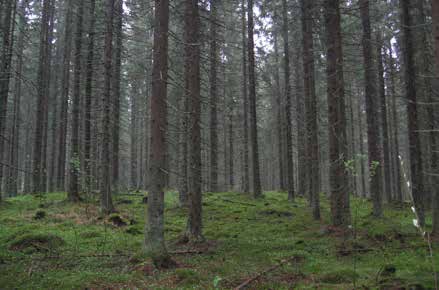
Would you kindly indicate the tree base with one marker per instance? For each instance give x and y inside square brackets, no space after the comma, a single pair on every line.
[163,261]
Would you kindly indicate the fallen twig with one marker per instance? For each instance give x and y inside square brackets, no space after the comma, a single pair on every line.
[184,252]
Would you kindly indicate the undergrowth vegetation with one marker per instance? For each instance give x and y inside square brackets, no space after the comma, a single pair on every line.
[47,243]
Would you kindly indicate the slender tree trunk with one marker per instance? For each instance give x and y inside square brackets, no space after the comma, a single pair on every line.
[73,193]
[257,191]
[311,110]
[231,149]
[48,73]
[88,97]
[395,121]
[340,209]
[12,183]
[246,171]
[372,105]
[183,177]
[106,200]
[213,187]
[65,85]
[279,124]
[417,184]
[5,73]
[192,75]
[288,127]
[385,144]
[435,165]
[116,93]
[154,235]
[134,138]
[42,90]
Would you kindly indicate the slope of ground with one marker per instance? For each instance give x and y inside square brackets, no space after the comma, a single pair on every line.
[46,243]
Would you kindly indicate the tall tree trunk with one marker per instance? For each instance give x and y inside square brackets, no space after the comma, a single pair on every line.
[385,144]
[42,90]
[231,148]
[48,72]
[154,235]
[435,165]
[288,127]
[395,121]
[417,184]
[116,93]
[65,85]
[134,138]
[12,181]
[105,187]
[279,122]
[183,176]
[257,191]
[311,110]
[73,192]
[372,105]
[88,96]
[245,100]
[340,209]
[192,76]
[213,187]
[5,73]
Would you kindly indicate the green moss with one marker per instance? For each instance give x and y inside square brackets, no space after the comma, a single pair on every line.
[340,276]
[248,237]
[38,242]
[187,276]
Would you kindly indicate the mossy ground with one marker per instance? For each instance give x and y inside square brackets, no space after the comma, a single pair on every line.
[245,237]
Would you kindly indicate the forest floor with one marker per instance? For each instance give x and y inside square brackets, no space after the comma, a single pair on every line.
[46,243]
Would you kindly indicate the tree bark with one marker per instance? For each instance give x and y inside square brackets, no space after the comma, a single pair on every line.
[192,76]
[395,120]
[435,18]
[385,124]
[116,93]
[340,209]
[154,235]
[213,187]
[5,73]
[105,186]
[257,191]
[246,171]
[417,183]
[42,91]
[311,110]
[73,193]
[88,97]
[288,127]
[372,105]
[279,121]
[65,85]
[12,179]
